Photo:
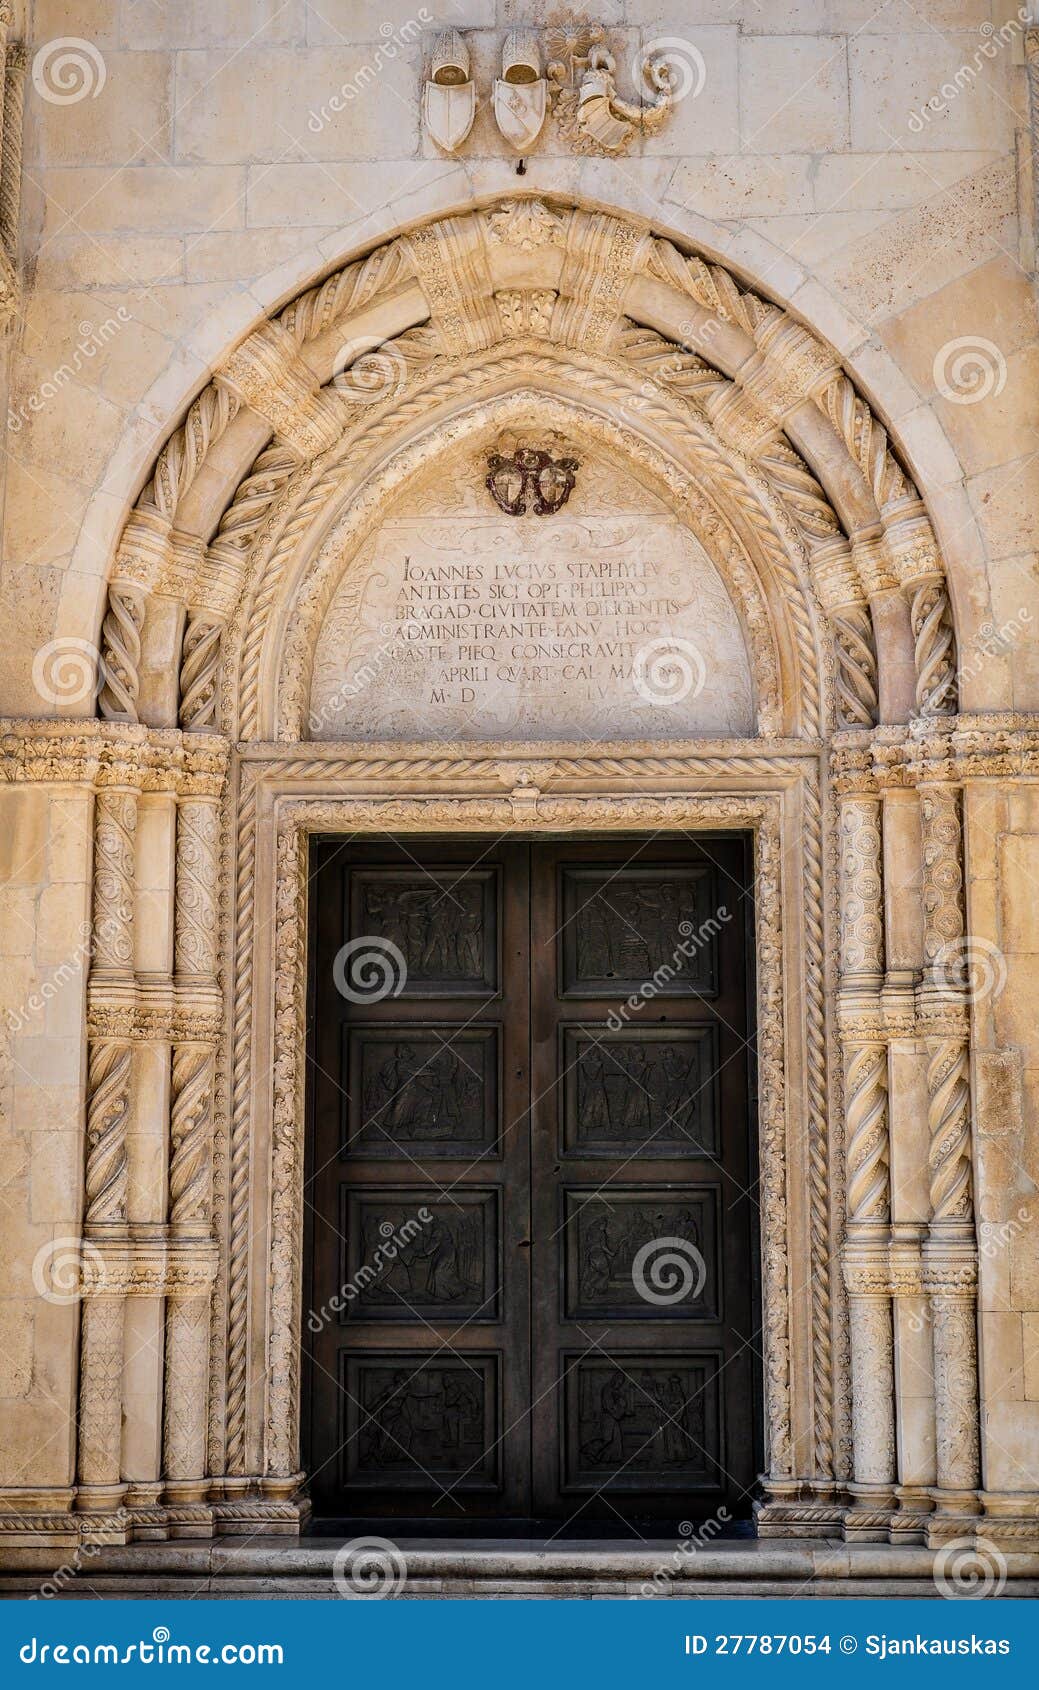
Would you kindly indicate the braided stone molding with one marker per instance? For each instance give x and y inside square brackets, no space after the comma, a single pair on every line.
[299,817]
[121,652]
[240,1128]
[199,668]
[108,1106]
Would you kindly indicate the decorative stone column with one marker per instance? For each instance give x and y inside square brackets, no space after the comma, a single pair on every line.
[950,1252]
[191,1243]
[866,1147]
[109,1076]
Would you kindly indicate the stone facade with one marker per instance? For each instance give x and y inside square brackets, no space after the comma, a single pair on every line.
[271,312]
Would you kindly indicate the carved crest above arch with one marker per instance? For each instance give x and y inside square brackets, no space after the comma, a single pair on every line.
[668,348]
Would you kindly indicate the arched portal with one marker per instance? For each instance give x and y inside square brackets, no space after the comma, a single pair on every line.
[281,544]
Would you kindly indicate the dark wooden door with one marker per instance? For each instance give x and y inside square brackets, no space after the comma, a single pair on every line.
[531,1282]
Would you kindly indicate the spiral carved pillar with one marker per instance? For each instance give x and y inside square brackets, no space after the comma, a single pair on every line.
[192,1249]
[121,652]
[867,1153]
[109,1076]
[950,1251]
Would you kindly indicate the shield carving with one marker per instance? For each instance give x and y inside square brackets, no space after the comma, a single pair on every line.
[448,111]
[519,111]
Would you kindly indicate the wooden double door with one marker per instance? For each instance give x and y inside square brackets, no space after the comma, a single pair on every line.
[530,1192]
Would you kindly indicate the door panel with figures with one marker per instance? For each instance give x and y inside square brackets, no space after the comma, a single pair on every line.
[530,1198]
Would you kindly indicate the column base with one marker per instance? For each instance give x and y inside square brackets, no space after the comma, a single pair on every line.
[869,1514]
[809,1508]
[909,1522]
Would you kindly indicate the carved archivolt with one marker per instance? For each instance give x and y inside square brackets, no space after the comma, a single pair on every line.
[385,338]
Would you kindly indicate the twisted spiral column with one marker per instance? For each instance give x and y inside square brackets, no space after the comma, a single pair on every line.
[935,646]
[856,667]
[950,1251]
[121,652]
[199,668]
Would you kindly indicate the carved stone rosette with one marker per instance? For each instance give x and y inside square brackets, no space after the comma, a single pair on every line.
[950,1251]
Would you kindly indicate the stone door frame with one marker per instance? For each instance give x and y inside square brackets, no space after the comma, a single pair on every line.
[769,789]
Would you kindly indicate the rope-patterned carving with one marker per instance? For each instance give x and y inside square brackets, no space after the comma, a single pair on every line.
[265,480]
[669,364]
[801,492]
[190,1122]
[818,1128]
[948,1120]
[185,451]
[709,284]
[867,441]
[345,291]
[241,1098]
[199,667]
[121,652]
[108,1105]
[11,151]
[935,649]
[867,1144]
[856,667]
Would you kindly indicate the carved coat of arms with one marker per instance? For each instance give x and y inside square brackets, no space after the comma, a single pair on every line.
[449,100]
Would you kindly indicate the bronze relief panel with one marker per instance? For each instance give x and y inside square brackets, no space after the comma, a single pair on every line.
[419,1421]
[420,1087]
[627,927]
[442,924]
[413,1256]
[652,1092]
[632,1423]
[642,1254]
